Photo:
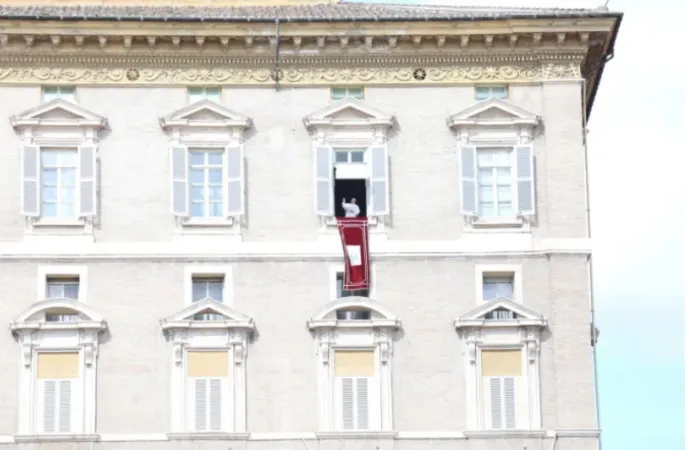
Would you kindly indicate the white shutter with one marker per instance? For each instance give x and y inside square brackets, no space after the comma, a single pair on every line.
[215,403]
[347,403]
[362,406]
[526,199]
[234,165]
[65,406]
[30,192]
[510,404]
[380,204]
[467,175]
[87,180]
[200,405]
[355,403]
[180,189]
[495,403]
[324,180]
[49,405]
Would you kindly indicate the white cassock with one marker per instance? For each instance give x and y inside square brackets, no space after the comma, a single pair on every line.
[351,209]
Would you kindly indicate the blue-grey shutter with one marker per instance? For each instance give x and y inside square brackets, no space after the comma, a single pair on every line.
[380,204]
[30,192]
[526,199]
[467,175]
[324,180]
[235,180]
[180,187]
[87,180]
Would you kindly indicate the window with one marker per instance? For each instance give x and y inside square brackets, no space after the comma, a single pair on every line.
[64,92]
[498,285]
[58,183]
[65,282]
[354,375]
[201,93]
[341,292]
[207,287]
[206,183]
[498,281]
[495,182]
[350,156]
[342,92]
[207,389]
[484,92]
[67,287]
[208,282]
[58,383]
[502,378]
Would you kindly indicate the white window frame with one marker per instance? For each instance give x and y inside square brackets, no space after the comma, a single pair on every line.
[46,272]
[186,334]
[348,93]
[491,88]
[522,332]
[204,95]
[482,270]
[67,96]
[516,129]
[521,392]
[34,335]
[224,271]
[227,407]
[40,132]
[368,132]
[334,269]
[376,335]
[221,133]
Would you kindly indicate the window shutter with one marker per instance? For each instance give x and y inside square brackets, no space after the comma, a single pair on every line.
[510,403]
[87,180]
[467,164]
[235,180]
[362,403]
[200,409]
[30,193]
[324,180]
[495,403]
[215,402]
[180,188]
[65,406]
[380,204]
[49,405]
[347,403]
[526,201]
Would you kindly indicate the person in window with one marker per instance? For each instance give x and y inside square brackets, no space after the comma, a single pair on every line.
[351,209]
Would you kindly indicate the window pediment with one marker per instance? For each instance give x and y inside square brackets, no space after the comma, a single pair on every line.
[205,113]
[378,315]
[34,318]
[348,112]
[522,316]
[58,112]
[224,317]
[493,112]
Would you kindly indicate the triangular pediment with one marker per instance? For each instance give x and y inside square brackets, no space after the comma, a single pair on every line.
[493,111]
[207,313]
[501,310]
[205,112]
[348,111]
[58,111]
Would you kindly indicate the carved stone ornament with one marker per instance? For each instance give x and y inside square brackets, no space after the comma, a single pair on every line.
[239,353]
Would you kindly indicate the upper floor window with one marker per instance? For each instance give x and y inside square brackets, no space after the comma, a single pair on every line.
[200,93]
[341,292]
[206,183]
[63,92]
[210,286]
[62,287]
[338,93]
[495,182]
[484,92]
[59,183]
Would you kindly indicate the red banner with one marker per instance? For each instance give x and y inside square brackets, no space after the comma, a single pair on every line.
[354,236]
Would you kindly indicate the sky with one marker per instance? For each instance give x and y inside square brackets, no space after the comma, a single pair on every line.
[635,139]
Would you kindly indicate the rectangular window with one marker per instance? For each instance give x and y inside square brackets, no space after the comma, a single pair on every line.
[498,286]
[59,183]
[484,92]
[354,372]
[341,292]
[203,287]
[208,387]
[206,183]
[502,370]
[342,92]
[495,182]
[64,92]
[57,375]
[201,93]
[62,287]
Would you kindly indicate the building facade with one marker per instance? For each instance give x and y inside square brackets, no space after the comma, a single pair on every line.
[170,267]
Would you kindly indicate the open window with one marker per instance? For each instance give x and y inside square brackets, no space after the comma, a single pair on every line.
[351,160]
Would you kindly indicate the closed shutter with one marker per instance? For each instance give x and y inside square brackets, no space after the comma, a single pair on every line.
[348,404]
[215,402]
[467,175]
[324,180]
[355,403]
[49,405]
[526,198]
[65,406]
[380,204]
[234,157]
[510,403]
[502,371]
[87,180]
[180,188]
[30,193]
[362,403]
[208,404]
[57,406]
[200,405]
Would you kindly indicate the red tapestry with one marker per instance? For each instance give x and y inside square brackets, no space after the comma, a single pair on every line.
[354,236]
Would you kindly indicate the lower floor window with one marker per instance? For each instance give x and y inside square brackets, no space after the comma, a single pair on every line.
[354,375]
[207,387]
[58,376]
[502,377]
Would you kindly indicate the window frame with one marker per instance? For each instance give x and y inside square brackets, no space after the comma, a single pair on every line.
[206,167]
[46,272]
[494,186]
[347,93]
[204,95]
[374,390]
[334,269]
[224,271]
[227,398]
[481,270]
[491,94]
[521,394]
[69,97]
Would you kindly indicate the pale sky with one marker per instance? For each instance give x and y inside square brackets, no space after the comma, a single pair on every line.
[636,142]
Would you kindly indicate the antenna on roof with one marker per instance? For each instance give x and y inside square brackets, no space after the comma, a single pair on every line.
[605,5]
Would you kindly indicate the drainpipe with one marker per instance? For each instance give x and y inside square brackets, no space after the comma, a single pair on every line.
[276,70]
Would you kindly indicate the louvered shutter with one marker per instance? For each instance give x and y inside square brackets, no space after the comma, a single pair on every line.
[467,175]
[65,406]
[180,187]
[49,405]
[30,192]
[87,180]
[355,403]
[324,180]
[234,158]
[200,405]
[362,406]
[347,403]
[215,403]
[510,403]
[526,199]
[495,396]
[380,204]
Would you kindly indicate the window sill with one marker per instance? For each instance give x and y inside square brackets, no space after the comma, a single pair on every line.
[62,223]
[357,434]
[504,434]
[492,224]
[204,222]
[67,437]
[208,436]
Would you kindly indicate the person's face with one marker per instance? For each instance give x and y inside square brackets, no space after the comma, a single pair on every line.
[353,200]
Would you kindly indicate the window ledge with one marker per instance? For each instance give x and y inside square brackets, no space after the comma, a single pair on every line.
[356,434]
[504,434]
[219,222]
[67,437]
[498,222]
[208,436]
[66,223]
